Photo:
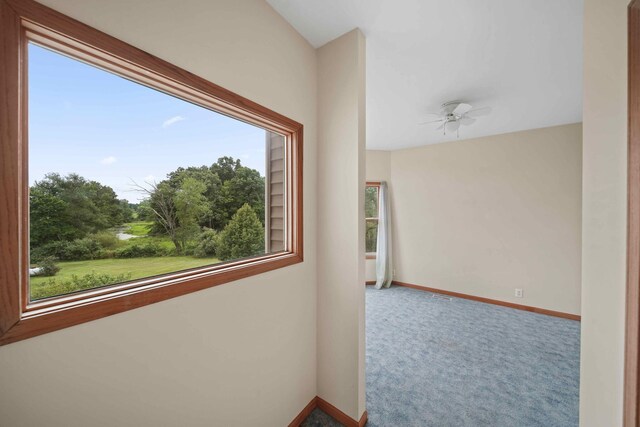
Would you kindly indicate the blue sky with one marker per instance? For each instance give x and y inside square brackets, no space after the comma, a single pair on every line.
[111,130]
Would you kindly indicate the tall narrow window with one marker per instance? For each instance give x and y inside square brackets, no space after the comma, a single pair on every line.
[371,199]
[127,180]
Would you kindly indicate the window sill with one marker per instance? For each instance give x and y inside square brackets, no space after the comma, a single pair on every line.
[372,256]
[60,312]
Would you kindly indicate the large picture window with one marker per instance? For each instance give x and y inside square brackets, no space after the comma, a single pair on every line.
[127,180]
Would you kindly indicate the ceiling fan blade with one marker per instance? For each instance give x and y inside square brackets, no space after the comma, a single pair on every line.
[461,109]
[466,120]
[453,125]
[479,112]
[440,127]
[432,121]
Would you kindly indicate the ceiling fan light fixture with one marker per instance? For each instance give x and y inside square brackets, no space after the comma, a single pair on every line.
[453,125]
[455,113]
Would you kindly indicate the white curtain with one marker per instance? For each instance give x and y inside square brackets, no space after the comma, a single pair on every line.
[383,256]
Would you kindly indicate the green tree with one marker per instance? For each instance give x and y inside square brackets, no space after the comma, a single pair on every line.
[107,209]
[48,218]
[371,202]
[177,211]
[207,243]
[226,168]
[160,204]
[242,237]
[70,207]
[246,186]
[144,212]
[128,210]
[228,185]
[190,206]
[198,197]
[212,182]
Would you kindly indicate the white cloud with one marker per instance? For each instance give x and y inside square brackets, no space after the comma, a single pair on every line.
[172,121]
[149,178]
[108,160]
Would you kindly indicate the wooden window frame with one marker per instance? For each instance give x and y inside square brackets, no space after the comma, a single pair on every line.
[24,20]
[631,416]
[373,255]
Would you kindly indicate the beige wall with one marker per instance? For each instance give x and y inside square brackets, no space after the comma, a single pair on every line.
[604,212]
[378,165]
[341,177]
[203,358]
[485,216]
[378,169]
[240,354]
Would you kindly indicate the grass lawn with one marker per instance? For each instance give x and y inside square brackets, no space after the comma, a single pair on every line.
[138,228]
[162,241]
[137,267]
[141,229]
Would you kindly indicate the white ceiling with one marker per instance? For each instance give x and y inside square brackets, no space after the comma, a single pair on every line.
[521,57]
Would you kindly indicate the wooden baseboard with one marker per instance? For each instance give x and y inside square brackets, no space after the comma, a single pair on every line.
[370,282]
[329,409]
[304,413]
[340,416]
[491,301]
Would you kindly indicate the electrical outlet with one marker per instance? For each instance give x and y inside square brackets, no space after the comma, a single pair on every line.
[518,293]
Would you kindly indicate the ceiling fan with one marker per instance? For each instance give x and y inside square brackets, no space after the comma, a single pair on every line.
[455,113]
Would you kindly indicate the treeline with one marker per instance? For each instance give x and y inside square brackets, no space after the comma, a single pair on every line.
[215,210]
[71,207]
[194,198]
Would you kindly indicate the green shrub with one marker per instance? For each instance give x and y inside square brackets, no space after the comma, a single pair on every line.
[189,248]
[47,267]
[77,250]
[48,250]
[169,252]
[89,281]
[140,250]
[207,243]
[107,253]
[242,237]
[81,249]
[106,239]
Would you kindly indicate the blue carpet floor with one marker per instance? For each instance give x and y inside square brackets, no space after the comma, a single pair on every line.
[320,419]
[454,362]
[440,362]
